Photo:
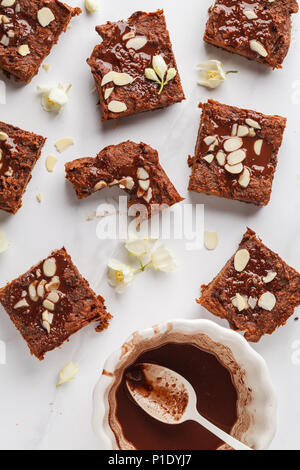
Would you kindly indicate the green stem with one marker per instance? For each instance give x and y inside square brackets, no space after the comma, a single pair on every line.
[231,71]
[162,84]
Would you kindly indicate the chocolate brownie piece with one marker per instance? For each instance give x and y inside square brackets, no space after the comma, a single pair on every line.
[256,291]
[257,29]
[51,302]
[28,31]
[19,152]
[236,153]
[133,167]
[122,61]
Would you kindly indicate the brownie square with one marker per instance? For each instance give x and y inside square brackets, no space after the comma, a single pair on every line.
[128,47]
[51,302]
[257,29]
[133,167]
[236,153]
[28,31]
[19,152]
[256,291]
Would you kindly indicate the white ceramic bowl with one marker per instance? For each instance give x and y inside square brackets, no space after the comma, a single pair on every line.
[259,411]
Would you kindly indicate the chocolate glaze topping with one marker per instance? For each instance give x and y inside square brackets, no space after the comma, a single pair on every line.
[217,400]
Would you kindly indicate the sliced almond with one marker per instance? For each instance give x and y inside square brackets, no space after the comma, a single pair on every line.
[234,169]
[128,182]
[240,302]
[5,19]
[269,277]
[210,139]
[46,67]
[23,50]
[46,326]
[144,184]
[250,14]
[251,123]
[51,161]
[5,40]
[48,305]
[252,132]
[242,131]
[9,172]
[11,33]
[148,195]
[117,107]
[39,197]
[208,158]
[211,148]
[232,144]
[3,136]
[252,301]
[108,92]
[32,291]
[142,174]
[100,185]
[211,240]
[45,16]
[257,146]
[107,78]
[236,157]
[53,284]
[49,267]
[221,157]
[53,297]
[63,144]
[137,43]
[22,303]
[129,35]
[257,46]
[7,3]
[267,301]
[241,259]
[45,315]
[234,129]
[244,179]
[122,79]
[41,288]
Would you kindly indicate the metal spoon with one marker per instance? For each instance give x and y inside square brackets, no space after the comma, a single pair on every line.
[170,398]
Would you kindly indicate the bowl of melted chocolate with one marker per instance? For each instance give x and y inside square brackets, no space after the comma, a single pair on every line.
[230,379]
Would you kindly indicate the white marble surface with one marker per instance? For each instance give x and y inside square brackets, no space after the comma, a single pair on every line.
[33,413]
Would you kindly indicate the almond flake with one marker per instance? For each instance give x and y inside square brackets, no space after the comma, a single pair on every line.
[32,291]
[45,315]
[144,184]
[250,14]
[53,284]
[236,157]
[62,144]
[251,123]
[269,277]
[244,179]
[241,259]
[234,129]
[122,79]
[48,305]
[252,301]
[100,185]
[137,43]
[148,195]
[24,50]
[208,158]
[221,157]
[7,3]
[51,161]
[53,297]
[142,174]
[211,240]
[267,301]
[242,131]
[232,144]
[41,289]
[4,40]
[49,267]
[129,35]
[252,132]
[240,302]
[21,303]
[234,169]
[117,107]
[3,136]
[107,78]
[46,67]
[45,16]
[257,46]
[128,182]
[108,92]
[210,139]
[46,326]
[257,146]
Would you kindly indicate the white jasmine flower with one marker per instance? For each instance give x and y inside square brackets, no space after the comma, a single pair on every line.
[3,241]
[140,247]
[158,72]
[54,98]
[68,373]
[92,5]
[119,275]
[163,259]
[212,73]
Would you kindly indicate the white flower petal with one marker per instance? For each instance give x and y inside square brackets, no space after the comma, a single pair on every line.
[140,247]
[53,97]
[163,259]
[119,275]
[212,73]
[68,373]
[171,74]
[159,66]
[151,75]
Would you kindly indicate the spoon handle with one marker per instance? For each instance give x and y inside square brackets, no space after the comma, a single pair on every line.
[231,441]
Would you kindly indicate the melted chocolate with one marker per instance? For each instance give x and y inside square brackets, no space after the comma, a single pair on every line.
[216,394]
[236,30]
[20,24]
